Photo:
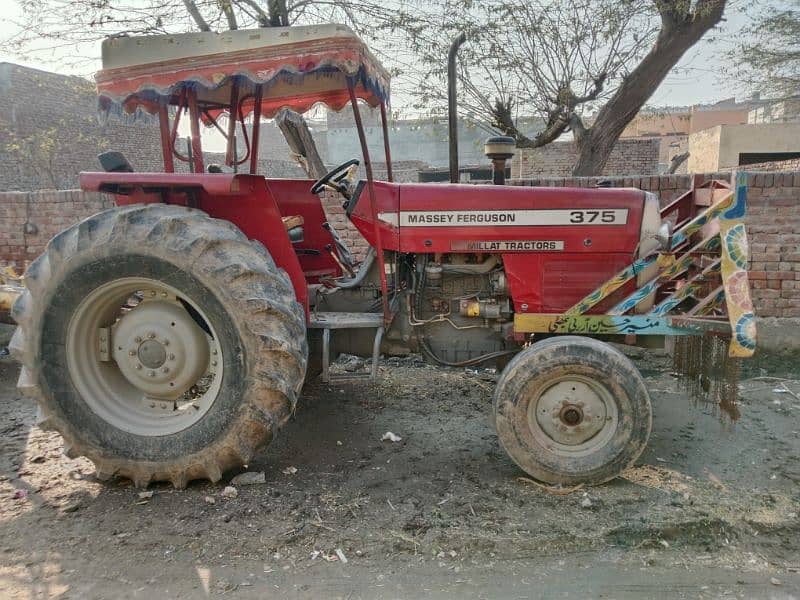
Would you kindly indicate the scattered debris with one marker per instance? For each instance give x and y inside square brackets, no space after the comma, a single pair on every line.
[230,492]
[20,494]
[558,491]
[289,470]
[775,581]
[586,502]
[390,437]
[145,495]
[209,500]
[341,556]
[249,478]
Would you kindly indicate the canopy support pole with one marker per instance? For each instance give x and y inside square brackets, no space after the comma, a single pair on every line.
[197,146]
[166,138]
[386,150]
[256,130]
[362,138]
[230,149]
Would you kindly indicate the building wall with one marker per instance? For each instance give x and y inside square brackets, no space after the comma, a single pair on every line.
[704,150]
[29,219]
[629,157]
[49,131]
[781,111]
[703,118]
[658,124]
[719,147]
[768,137]
[790,165]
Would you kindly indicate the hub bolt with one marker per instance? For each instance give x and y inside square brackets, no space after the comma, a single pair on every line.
[131,352]
[152,373]
[151,335]
[165,370]
[137,339]
[138,367]
[172,357]
[213,363]
[165,342]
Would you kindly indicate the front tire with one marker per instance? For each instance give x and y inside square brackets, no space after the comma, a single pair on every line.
[571,410]
[162,344]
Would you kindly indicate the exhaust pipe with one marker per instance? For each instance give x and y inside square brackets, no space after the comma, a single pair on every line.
[452,108]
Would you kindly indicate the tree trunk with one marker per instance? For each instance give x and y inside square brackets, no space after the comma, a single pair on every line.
[676,37]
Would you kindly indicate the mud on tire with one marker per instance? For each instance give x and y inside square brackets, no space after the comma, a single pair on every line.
[571,410]
[248,302]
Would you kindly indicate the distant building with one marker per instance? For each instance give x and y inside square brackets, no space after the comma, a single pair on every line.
[674,124]
[726,146]
[424,139]
[783,110]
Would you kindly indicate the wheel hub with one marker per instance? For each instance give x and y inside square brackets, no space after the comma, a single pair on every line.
[152,354]
[160,349]
[570,412]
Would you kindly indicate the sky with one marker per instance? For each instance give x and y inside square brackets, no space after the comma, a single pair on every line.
[702,76]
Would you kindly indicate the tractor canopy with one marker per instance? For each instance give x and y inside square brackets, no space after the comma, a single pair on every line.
[292,67]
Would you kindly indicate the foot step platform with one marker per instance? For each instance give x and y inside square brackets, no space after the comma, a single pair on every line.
[347,320]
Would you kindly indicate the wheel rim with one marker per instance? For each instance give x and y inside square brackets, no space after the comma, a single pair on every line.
[573,415]
[141,360]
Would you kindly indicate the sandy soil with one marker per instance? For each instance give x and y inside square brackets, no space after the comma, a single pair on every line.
[710,510]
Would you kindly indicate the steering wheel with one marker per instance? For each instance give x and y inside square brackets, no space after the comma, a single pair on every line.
[331,178]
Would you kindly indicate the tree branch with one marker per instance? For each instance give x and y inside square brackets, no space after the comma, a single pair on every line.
[501,118]
[227,9]
[263,18]
[194,12]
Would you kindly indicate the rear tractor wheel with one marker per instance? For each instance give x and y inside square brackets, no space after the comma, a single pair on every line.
[161,343]
[571,410]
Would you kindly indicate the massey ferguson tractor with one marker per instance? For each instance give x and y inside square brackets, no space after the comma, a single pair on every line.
[168,338]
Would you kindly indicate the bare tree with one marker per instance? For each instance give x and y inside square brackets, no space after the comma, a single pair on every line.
[768,56]
[49,26]
[582,66]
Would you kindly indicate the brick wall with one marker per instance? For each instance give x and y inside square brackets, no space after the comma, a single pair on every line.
[49,131]
[773,227]
[666,187]
[29,219]
[792,165]
[629,157]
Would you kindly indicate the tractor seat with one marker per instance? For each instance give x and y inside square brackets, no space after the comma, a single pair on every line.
[294,227]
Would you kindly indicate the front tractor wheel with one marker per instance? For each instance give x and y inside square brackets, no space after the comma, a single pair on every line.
[572,410]
[161,343]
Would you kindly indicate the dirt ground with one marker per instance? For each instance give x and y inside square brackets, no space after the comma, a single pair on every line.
[709,511]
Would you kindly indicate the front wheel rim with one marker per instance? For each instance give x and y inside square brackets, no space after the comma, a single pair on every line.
[144,357]
[573,416]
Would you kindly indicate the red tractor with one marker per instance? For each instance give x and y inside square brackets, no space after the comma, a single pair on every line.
[168,338]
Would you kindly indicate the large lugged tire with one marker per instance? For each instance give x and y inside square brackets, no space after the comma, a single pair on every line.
[162,344]
[571,410]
